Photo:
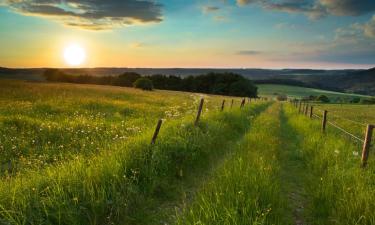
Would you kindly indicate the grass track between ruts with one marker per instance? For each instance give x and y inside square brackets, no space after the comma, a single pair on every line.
[117,184]
[246,189]
[337,190]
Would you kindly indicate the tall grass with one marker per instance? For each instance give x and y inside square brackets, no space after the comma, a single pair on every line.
[116,184]
[246,189]
[338,190]
[43,124]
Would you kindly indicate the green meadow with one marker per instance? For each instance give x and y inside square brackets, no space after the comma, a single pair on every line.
[300,92]
[81,154]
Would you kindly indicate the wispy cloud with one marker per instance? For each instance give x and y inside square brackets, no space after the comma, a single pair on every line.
[210,9]
[248,52]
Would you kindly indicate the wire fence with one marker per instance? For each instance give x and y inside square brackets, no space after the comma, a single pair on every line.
[303,108]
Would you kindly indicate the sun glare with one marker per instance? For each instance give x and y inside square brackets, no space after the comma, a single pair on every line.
[74,55]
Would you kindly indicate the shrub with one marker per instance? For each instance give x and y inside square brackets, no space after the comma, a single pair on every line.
[323,98]
[282,98]
[126,79]
[355,100]
[144,84]
[368,101]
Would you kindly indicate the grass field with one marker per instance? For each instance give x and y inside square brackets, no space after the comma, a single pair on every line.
[81,154]
[299,92]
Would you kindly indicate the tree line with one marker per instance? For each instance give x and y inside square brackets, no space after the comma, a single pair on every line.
[230,84]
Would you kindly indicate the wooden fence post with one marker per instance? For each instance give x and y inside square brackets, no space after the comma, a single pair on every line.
[300,105]
[311,111]
[306,109]
[199,112]
[367,144]
[231,105]
[222,105]
[324,121]
[156,131]
[242,103]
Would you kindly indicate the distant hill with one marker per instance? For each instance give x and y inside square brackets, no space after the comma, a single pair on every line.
[351,81]
[360,82]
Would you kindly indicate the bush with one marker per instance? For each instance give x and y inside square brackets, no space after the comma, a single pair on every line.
[282,98]
[355,100]
[368,101]
[126,79]
[144,84]
[323,98]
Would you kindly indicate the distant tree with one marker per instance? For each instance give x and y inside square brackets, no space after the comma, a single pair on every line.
[244,88]
[355,100]
[144,84]
[323,98]
[54,75]
[368,101]
[126,79]
[282,97]
[312,97]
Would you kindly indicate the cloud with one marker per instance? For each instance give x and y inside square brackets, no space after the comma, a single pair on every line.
[137,45]
[357,32]
[91,14]
[369,28]
[316,8]
[245,2]
[348,7]
[209,9]
[249,52]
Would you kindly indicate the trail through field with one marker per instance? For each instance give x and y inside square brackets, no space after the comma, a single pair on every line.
[293,171]
[182,192]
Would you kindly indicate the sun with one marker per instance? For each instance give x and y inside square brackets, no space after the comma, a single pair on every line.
[74,55]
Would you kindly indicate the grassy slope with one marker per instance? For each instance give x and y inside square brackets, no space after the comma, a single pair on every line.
[43,124]
[127,180]
[298,92]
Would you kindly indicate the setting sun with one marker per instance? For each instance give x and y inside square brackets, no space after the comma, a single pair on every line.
[74,55]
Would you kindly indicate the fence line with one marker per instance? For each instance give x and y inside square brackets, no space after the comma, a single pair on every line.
[369,130]
[343,118]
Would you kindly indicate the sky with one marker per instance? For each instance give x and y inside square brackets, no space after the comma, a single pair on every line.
[321,34]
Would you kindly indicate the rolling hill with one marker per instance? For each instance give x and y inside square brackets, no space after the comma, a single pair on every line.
[348,81]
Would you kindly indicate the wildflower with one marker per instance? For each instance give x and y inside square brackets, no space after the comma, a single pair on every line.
[355,153]
[337,151]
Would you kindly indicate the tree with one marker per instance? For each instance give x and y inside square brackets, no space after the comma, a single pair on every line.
[323,98]
[355,100]
[282,97]
[126,79]
[368,101]
[144,84]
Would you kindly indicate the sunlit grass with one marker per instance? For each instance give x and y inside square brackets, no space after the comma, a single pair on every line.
[339,191]
[44,123]
[83,162]
[246,189]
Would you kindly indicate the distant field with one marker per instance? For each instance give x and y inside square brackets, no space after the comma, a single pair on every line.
[298,92]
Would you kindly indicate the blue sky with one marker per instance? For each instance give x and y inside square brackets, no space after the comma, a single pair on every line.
[205,33]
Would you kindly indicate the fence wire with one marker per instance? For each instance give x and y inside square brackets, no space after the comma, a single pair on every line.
[346,132]
[356,138]
[343,118]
